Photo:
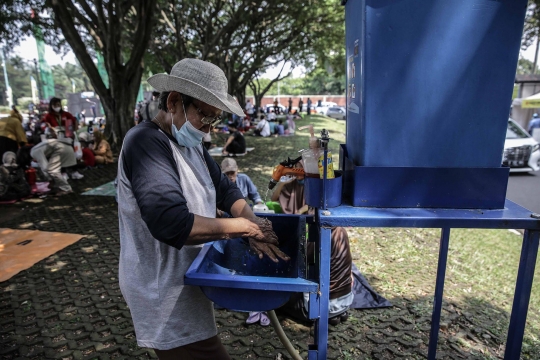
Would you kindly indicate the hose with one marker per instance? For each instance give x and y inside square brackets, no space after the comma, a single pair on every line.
[282,337]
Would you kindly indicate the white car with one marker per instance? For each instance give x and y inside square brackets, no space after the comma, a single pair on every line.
[324,107]
[521,151]
[271,107]
[336,112]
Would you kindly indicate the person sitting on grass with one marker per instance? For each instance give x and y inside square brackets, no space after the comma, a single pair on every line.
[236,143]
[271,116]
[102,149]
[280,129]
[290,196]
[247,123]
[12,135]
[242,181]
[16,114]
[88,158]
[291,125]
[263,128]
[60,119]
[273,127]
[52,156]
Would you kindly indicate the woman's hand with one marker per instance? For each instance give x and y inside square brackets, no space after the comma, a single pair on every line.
[263,240]
[269,250]
[261,230]
[304,209]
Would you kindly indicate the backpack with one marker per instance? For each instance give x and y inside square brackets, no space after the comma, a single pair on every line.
[13,185]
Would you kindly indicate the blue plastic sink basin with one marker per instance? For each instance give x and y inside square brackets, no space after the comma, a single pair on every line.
[232,275]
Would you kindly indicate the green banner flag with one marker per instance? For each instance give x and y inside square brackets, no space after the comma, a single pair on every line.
[103,73]
[45,73]
[140,95]
[101,68]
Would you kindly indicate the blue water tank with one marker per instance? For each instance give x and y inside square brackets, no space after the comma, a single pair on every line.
[430,81]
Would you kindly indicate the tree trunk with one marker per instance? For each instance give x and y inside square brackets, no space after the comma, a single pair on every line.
[258,100]
[120,106]
[108,28]
[241,97]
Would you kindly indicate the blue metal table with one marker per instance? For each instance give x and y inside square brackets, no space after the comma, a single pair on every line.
[512,216]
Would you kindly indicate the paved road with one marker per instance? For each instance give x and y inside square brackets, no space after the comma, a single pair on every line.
[524,189]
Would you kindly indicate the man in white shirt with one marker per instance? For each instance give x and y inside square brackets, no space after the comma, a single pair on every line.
[272,116]
[263,128]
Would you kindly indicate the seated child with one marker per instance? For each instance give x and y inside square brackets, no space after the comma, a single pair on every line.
[88,157]
[280,128]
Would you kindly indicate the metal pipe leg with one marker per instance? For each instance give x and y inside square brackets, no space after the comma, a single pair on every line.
[321,328]
[527,262]
[439,289]
[314,300]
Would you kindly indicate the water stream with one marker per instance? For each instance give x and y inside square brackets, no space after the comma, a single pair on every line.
[266,195]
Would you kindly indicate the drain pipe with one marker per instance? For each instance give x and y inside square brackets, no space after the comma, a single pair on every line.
[282,337]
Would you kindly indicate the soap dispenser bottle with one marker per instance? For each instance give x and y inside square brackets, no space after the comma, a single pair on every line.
[311,155]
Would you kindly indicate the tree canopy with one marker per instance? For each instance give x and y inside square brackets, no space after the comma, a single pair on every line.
[531,29]
[119,30]
[531,32]
[19,72]
[68,75]
[317,82]
[243,37]
[526,67]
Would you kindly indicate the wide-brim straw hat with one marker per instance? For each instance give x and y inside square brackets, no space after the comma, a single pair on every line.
[201,80]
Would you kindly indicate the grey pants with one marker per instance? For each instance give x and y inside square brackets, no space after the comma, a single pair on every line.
[52,156]
[55,170]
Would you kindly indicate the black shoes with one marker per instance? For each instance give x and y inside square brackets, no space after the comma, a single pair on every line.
[336,320]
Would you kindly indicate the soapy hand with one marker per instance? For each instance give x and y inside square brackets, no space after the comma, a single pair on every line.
[270,250]
[264,240]
[261,230]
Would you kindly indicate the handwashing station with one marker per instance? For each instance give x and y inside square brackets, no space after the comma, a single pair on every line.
[429,88]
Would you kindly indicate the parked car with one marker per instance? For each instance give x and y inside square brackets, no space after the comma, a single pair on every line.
[324,107]
[521,151]
[336,112]
[271,107]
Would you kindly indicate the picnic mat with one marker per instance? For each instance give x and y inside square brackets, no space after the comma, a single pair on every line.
[107,189]
[217,152]
[20,249]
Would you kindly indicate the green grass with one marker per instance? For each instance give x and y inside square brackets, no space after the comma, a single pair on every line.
[270,151]
[480,277]
[401,263]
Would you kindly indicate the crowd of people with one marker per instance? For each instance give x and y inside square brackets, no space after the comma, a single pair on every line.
[59,144]
[272,122]
[230,133]
[52,147]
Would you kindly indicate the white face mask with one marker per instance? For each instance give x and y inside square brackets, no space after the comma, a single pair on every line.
[57,109]
[188,135]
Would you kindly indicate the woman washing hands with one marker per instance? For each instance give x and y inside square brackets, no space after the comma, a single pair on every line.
[168,190]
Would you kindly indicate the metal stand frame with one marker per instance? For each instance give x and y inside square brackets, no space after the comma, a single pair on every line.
[512,216]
